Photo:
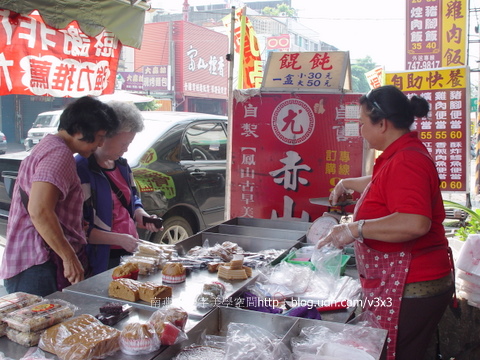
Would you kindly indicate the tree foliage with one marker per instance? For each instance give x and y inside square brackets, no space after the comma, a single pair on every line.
[280,10]
[359,68]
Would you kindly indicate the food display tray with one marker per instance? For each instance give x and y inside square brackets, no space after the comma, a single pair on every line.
[90,305]
[185,294]
[283,327]
[278,234]
[276,224]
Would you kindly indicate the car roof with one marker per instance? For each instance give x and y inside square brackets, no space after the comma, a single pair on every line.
[156,124]
[53,112]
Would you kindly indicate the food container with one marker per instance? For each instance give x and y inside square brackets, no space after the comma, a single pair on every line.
[299,259]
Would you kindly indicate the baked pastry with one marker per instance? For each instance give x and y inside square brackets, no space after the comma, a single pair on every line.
[215,288]
[237,262]
[173,314]
[213,266]
[80,338]
[235,270]
[173,273]
[149,291]
[139,338]
[112,312]
[40,315]
[126,289]
[12,302]
[128,270]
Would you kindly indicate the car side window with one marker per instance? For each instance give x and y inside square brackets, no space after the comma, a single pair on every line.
[204,141]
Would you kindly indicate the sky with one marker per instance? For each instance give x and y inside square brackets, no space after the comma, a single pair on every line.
[374,28]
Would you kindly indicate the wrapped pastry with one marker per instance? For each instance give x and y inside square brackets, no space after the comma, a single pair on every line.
[80,338]
[40,315]
[139,338]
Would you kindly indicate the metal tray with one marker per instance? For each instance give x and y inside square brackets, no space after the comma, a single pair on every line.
[184,294]
[270,223]
[276,234]
[216,323]
[89,305]
[248,243]
[284,327]
[336,327]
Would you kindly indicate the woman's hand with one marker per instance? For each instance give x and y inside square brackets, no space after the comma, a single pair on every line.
[73,270]
[338,191]
[140,213]
[128,242]
[339,236]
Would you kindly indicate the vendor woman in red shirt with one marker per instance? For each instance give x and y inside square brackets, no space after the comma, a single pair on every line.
[402,254]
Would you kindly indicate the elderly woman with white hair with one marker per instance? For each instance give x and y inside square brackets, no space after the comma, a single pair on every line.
[112,210]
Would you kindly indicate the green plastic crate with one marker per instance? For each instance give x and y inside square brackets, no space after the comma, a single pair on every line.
[290,259]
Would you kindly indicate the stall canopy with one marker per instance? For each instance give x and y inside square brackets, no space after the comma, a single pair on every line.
[124,18]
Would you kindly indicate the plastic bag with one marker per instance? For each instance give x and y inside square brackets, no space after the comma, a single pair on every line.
[167,332]
[139,338]
[353,342]
[40,315]
[81,338]
[174,314]
[35,353]
[294,277]
[327,261]
[245,341]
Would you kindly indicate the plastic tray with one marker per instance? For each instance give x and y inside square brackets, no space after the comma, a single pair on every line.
[290,259]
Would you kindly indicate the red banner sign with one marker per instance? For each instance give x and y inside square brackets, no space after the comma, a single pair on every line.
[288,149]
[36,59]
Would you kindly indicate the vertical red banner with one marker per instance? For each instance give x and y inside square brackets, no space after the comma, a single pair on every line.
[289,149]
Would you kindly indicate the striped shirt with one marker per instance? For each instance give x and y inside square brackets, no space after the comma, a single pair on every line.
[50,161]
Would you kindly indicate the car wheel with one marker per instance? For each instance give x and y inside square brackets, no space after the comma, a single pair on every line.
[175,228]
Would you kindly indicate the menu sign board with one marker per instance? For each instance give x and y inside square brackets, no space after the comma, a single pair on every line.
[307,71]
[445,132]
[436,33]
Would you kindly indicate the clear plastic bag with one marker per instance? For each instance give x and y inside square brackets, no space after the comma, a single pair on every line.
[245,342]
[327,261]
[359,342]
[81,338]
[167,332]
[40,315]
[139,338]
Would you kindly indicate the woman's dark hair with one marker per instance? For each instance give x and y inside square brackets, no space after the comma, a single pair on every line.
[389,102]
[88,116]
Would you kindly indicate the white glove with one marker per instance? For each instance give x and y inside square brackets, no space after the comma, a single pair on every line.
[338,191]
[339,236]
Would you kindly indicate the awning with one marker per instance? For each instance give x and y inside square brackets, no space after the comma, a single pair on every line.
[124,18]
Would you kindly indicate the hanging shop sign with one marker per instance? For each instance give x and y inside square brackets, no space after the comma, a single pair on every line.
[307,71]
[445,132]
[36,59]
[436,34]
[288,149]
[157,78]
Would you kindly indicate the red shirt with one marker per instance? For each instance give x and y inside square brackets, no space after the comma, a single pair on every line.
[404,180]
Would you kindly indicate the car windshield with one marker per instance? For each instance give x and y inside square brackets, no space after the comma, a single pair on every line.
[43,121]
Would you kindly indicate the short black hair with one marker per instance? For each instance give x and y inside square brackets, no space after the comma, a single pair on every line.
[88,116]
[389,102]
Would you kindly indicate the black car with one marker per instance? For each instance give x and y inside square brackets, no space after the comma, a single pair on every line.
[179,165]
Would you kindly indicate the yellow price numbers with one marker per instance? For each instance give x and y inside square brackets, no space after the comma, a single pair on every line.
[441,135]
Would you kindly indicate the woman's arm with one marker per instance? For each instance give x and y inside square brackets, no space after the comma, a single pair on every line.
[394,228]
[357,184]
[101,237]
[41,207]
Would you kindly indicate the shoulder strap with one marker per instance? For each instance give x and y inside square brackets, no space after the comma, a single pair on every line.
[117,191]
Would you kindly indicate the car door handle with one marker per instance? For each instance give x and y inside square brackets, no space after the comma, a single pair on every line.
[197,173]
